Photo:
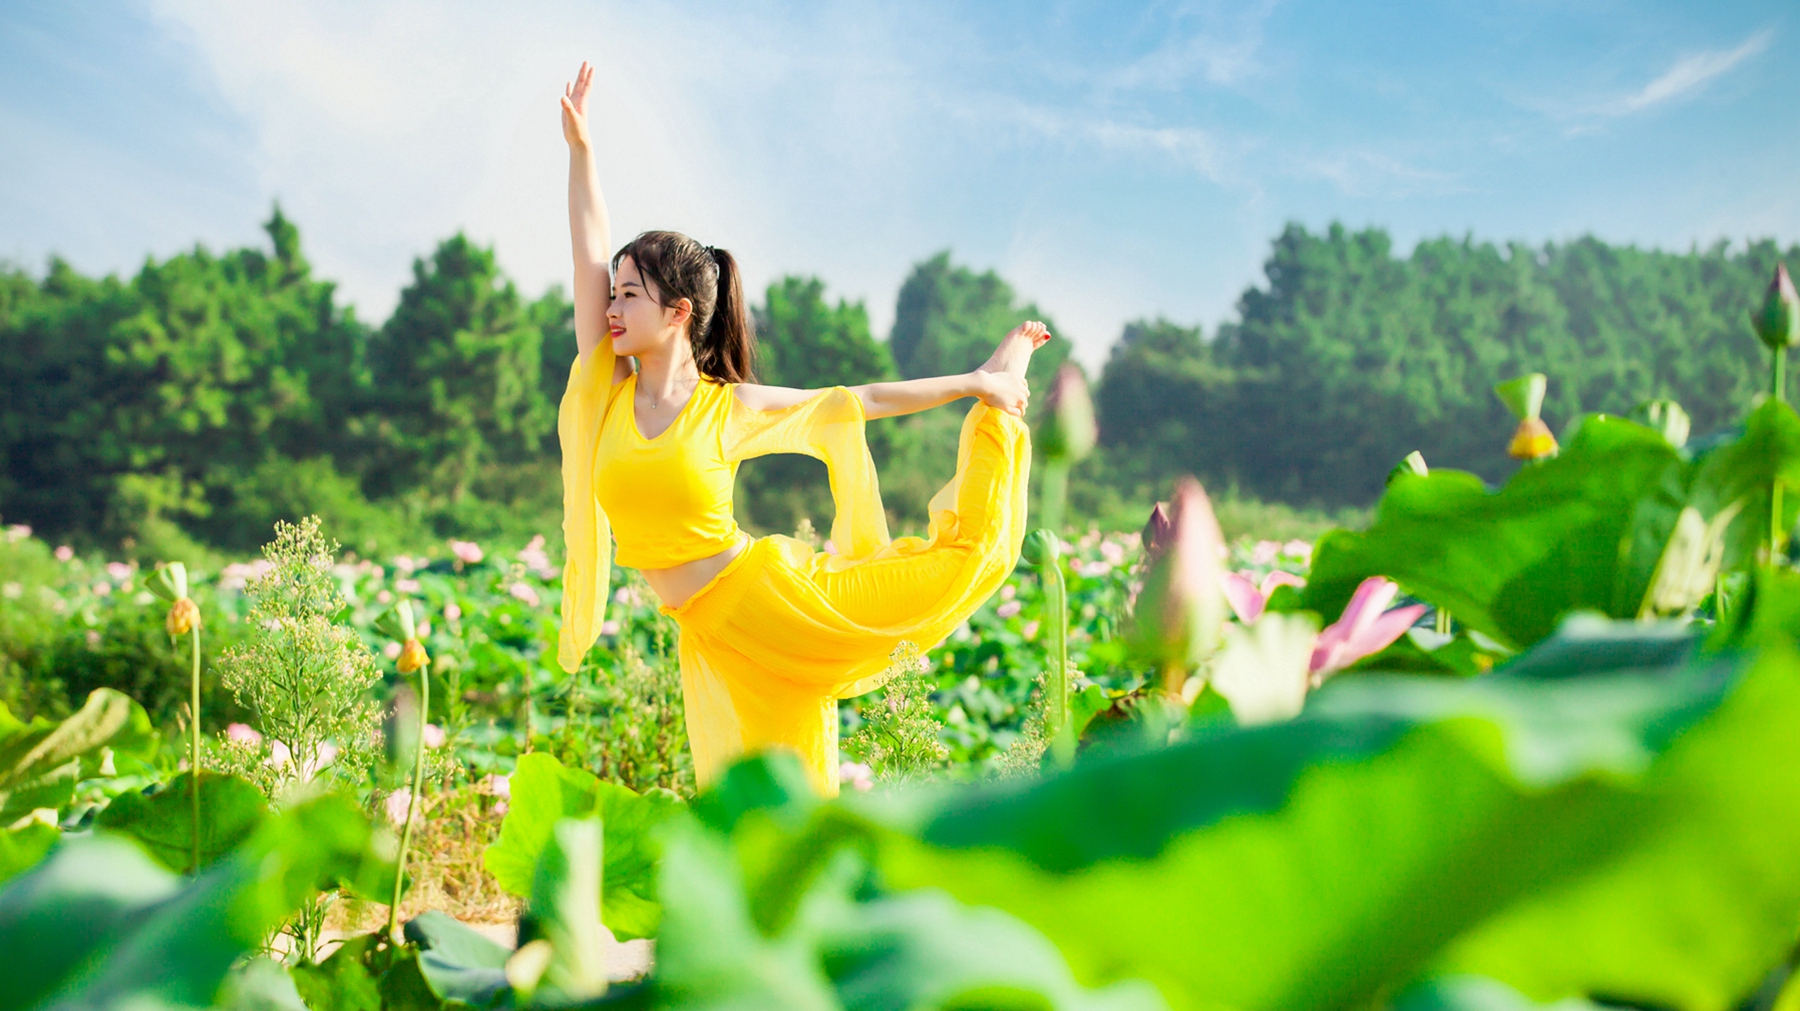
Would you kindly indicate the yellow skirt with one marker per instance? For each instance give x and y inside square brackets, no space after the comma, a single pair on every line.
[773,641]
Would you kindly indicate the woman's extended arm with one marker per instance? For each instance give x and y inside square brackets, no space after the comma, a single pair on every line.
[590,233]
[908,396]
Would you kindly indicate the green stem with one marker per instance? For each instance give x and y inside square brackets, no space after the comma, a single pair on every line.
[1054,495]
[194,747]
[412,801]
[1056,684]
[1443,621]
[1777,390]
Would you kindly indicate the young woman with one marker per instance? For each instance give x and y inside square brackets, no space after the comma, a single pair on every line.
[772,633]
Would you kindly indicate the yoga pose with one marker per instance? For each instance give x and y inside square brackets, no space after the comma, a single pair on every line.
[772,632]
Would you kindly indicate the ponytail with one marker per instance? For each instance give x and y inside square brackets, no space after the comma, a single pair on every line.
[719,329]
[728,349]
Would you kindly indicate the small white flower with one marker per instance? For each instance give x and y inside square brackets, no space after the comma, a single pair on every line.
[857,776]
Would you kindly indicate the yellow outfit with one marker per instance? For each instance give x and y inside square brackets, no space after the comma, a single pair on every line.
[773,641]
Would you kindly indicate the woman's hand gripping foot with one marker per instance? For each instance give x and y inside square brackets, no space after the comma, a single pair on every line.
[1001,378]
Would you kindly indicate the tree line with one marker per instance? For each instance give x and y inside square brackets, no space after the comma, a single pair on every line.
[186,408]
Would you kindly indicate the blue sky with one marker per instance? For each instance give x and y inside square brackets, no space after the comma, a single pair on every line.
[1113,161]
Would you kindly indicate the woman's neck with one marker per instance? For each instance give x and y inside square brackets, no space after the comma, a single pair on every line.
[665,374]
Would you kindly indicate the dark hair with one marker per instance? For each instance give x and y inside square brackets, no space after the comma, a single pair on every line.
[720,331]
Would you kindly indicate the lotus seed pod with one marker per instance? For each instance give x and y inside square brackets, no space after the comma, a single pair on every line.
[1531,441]
[412,657]
[1068,432]
[1777,322]
[184,617]
[1040,547]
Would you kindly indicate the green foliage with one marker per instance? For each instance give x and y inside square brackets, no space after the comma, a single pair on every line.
[99,924]
[767,908]
[544,793]
[162,821]
[304,673]
[41,762]
[1516,826]
[900,734]
[1584,531]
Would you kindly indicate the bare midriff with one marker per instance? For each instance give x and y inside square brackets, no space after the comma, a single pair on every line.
[676,584]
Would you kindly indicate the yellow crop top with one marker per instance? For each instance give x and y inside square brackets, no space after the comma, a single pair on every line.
[669,499]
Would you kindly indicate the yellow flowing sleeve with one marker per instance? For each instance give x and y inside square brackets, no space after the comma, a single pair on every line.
[828,427]
[587,536]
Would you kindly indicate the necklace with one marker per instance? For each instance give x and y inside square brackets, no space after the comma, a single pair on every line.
[654,402]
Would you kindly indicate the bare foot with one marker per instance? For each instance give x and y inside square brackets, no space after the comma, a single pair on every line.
[1014,352]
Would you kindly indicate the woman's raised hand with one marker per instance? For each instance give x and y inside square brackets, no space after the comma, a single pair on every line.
[574,106]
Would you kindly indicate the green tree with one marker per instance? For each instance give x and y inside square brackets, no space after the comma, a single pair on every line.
[949,318]
[458,373]
[150,407]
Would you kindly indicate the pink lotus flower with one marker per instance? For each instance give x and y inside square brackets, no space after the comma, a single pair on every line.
[1008,609]
[279,755]
[397,803]
[1247,599]
[434,735]
[243,733]
[1365,628]
[609,627]
[18,532]
[1030,629]
[1264,553]
[536,560]
[406,585]
[498,785]
[119,571]
[466,552]
[452,612]
[391,650]
[524,592]
[64,553]
[857,776]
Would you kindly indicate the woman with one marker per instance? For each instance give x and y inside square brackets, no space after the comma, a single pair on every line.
[772,633]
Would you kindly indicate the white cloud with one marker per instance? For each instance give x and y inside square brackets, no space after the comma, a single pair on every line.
[1222,54]
[1689,72]
[1363,172]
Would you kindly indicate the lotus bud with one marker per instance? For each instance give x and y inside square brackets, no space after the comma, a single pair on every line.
[184,617]
[1777,323]
[412,657]
[1180,615]
[1068,432]
[1159,531]
[1524,396]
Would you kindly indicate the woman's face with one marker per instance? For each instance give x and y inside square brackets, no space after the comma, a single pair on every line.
[639,325]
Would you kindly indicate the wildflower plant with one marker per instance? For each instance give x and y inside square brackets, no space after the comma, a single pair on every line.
[899,737]
[306,675]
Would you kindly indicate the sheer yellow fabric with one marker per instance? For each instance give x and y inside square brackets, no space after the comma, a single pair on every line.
[770,645]
[775,639]
[587,536]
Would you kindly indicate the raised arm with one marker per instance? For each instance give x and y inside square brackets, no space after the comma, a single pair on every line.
[590,233]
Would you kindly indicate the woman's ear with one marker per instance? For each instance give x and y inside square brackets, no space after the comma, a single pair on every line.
[683,310]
